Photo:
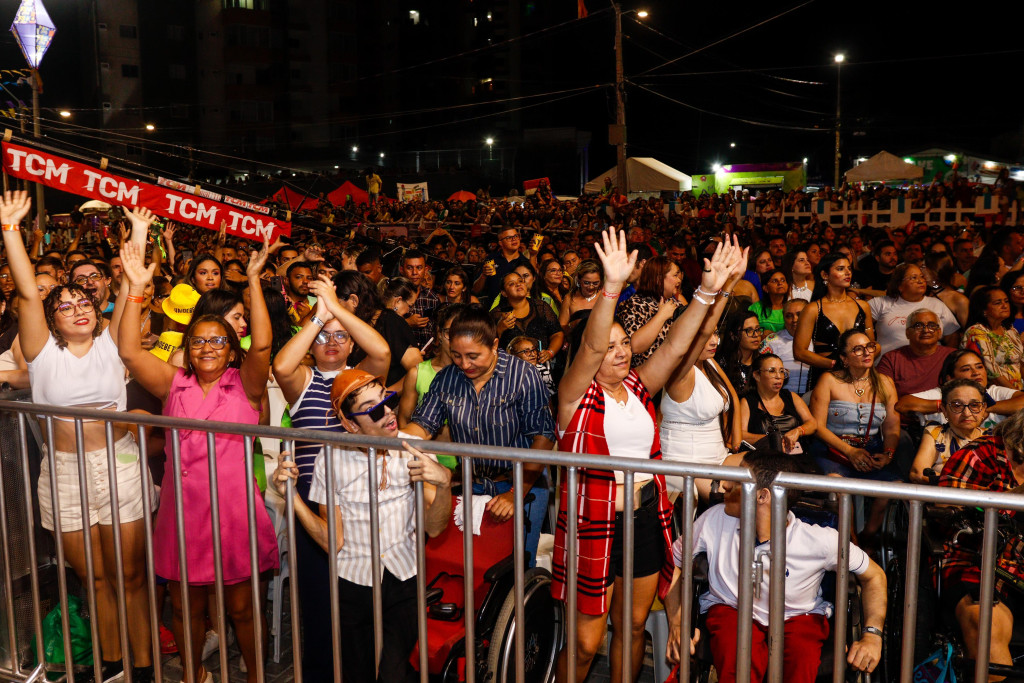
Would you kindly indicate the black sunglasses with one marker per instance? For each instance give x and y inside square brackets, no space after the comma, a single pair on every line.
[375,413]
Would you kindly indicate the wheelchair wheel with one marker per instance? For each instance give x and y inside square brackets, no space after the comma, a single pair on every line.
[545,624]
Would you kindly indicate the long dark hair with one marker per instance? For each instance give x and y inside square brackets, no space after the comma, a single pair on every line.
[728,353]
[824,265]
[978,303]
[194,264]
[280,324]
[842,371]
[459,272]
[349,282]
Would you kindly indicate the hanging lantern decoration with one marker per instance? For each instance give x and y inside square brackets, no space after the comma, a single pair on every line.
[33,29]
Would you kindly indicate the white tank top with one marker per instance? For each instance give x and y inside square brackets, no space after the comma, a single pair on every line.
[704,404]
[96,380]
[628,431]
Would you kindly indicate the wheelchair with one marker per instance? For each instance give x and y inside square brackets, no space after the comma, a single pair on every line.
[813,510]
[494,622]
[934,626]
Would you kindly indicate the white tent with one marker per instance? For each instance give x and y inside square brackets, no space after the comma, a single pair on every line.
[646,174]
[883,167]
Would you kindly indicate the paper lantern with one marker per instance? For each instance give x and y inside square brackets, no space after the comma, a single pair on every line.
[33,29]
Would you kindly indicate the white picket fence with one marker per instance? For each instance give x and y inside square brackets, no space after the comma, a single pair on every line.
[897,213]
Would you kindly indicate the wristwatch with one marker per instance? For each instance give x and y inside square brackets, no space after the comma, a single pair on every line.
[873,630]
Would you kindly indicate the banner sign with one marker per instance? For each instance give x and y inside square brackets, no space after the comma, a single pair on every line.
[413,192]
[86,181]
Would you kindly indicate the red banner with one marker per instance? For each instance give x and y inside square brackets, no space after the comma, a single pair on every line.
[78,178]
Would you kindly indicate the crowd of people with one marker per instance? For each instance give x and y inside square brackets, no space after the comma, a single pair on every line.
[602,326]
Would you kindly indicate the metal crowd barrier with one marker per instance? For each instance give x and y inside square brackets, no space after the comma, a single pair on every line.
[15,475]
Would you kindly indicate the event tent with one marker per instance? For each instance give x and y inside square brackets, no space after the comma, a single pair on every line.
[646,174]
[296,201]
[462,196]
[348,188]
[883,167]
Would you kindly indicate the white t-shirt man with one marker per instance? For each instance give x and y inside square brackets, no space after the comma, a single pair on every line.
[890,317]
[781,344]
[811,550]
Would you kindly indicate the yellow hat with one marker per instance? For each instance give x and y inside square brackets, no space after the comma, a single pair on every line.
[180,304]
[168,343]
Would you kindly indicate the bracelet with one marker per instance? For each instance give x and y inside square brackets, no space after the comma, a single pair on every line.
[938,406]
[707,293]
[11,227]
[135,299]
[610,295]
[889,452]
[873,630]
[318,322]
[800,428]
[697,297]
[832,367]
[726,295]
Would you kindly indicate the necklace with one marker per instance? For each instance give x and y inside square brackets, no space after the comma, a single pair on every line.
[588,299]
[859,392]
[836,301]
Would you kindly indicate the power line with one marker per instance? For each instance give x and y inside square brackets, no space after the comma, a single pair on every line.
[728,37]
[752,122]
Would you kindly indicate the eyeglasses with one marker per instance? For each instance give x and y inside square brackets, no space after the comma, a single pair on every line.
[216,343]
[931,327]
[526,352]
[340,336]
[1016,289]
[914,278]
[82,279]
[509,238]
[5,276]
[775,372]
[753,331]
[864,350]
[160,297]
[446,331]
[589,285]
[68,308]
[375,413]
[957,407]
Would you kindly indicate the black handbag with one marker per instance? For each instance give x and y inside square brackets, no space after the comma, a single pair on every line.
[774,427]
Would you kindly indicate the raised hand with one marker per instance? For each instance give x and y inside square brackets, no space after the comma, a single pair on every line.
[326,298]
[313,254]
[618,263]
[141,218]
[257,259]
[168,232]
[14,206]
[133,261]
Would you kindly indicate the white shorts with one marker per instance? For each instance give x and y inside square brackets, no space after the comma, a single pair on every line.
[129,486]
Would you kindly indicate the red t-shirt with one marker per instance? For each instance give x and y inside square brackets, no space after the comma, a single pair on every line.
[911,373]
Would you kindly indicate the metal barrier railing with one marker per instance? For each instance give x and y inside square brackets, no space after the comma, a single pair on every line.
[19,670]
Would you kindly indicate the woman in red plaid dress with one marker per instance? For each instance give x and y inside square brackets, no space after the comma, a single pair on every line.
[606,408]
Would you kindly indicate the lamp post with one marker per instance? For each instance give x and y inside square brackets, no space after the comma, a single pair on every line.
[839,58]
[33,30]
[617,132]
[490,148]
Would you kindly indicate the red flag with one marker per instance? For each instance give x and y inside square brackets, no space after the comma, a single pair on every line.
[581,10]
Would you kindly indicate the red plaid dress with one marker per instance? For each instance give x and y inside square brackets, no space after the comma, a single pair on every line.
[596,499]
[982,465]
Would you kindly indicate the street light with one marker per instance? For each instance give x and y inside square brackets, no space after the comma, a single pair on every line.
[839,59]
[355,149]
[732,144]
[617,132]
[150,126]
[65,114]
[490,148]
[33,29]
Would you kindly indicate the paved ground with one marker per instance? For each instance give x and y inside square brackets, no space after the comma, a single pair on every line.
[282,673]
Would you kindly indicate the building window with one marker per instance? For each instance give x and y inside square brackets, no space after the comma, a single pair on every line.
[129,31]
[130,70]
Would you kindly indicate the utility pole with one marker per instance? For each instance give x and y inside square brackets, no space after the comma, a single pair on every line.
[40,203]
[840,58]
[617,133]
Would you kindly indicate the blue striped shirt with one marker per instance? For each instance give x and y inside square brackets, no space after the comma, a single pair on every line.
[510,410]
[313,410]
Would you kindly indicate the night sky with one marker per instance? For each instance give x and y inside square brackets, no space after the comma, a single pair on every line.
[915,76]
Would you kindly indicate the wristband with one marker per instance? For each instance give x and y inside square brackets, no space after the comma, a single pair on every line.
[610,295]
[11,227]
[135,299]
[873,630]
[318,322]
[707,293]
[889,452]
[938,406]
[800,429]
[697,297]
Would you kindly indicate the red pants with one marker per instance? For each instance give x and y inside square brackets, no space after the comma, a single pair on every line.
[801,651]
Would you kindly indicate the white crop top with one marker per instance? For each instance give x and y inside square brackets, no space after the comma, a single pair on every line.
[628,431]
[97,379]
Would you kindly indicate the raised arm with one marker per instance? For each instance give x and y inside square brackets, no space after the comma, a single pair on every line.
[727,259]
[31,321]
[378,353]
[291,375]
[141,219]
[168,235]
[618,264]
[152,373]
[255,368]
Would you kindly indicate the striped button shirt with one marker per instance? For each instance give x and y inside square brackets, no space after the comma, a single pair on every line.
[396,505]
[509,411]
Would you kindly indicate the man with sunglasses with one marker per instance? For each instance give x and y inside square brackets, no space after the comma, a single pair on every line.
[94,277]
[364,406]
